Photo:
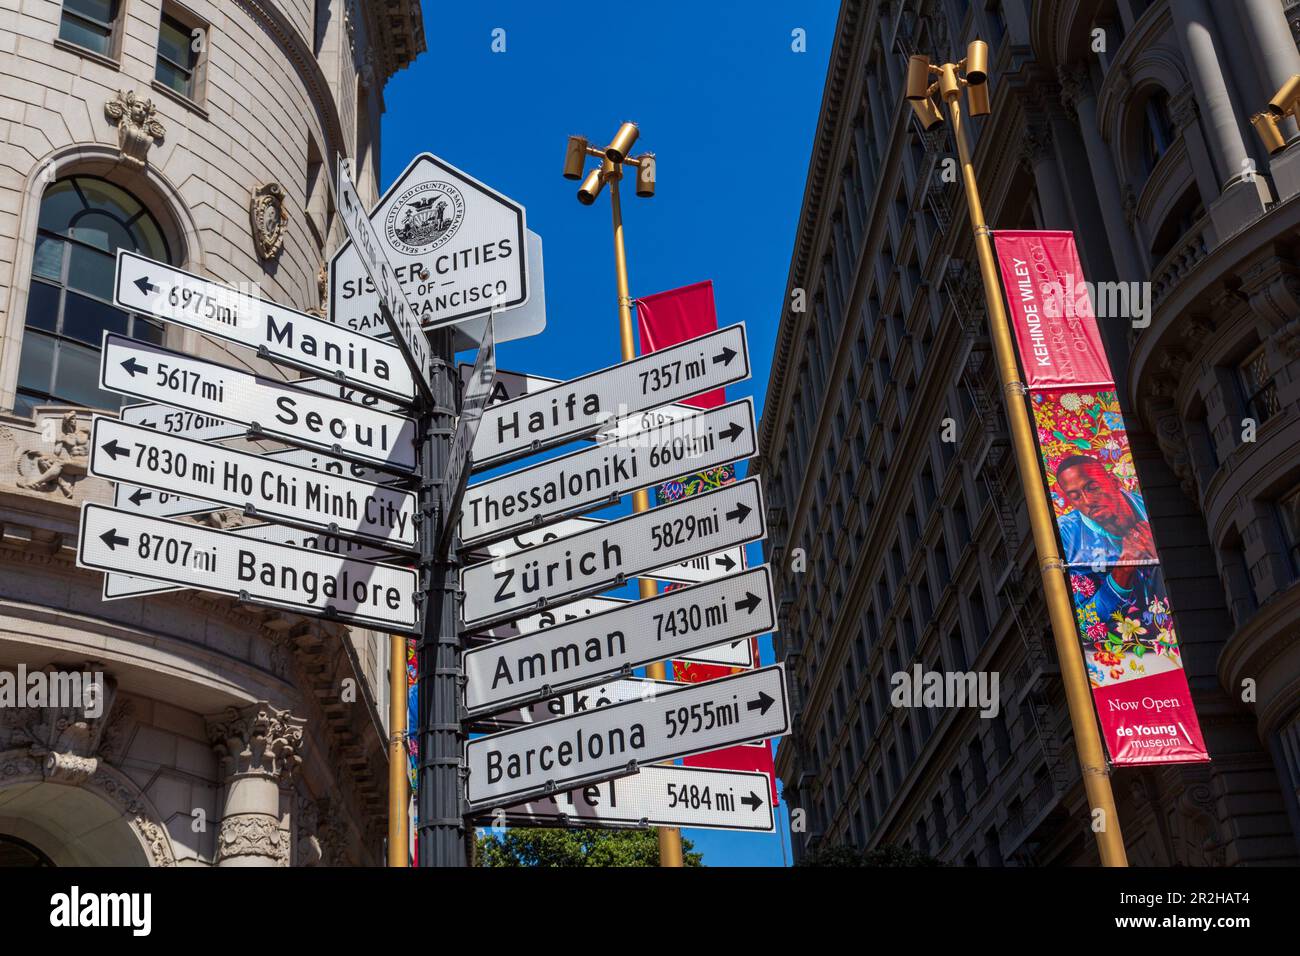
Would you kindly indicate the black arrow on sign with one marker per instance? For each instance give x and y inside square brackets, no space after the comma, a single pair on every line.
[132,366]
[113,539]
[115,450]
[726,560]
[138,496]
[145,286]
[753,801]
[725,356]
[739,513]
[761,704]
[751,601]
[732,431]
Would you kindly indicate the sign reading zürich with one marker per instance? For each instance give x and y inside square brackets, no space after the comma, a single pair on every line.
[277,409]
[613,741]
[608,554]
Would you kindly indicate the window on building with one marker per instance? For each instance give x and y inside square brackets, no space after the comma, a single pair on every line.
[940,821]
[1258,389]
[180,44]
[1157,130]
[978,771]
[958,792]
[91,24]
[1289,509]
[83,222]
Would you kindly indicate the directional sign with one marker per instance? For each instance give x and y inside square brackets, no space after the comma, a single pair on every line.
[593,477]
[390,300]
[158,504]
[583,406]
[174,552]
[278,333]
[655,796]
[478,391]
[614,741]
[643,421]
[179,421]
[572,655]
[119,586]
[730,654]
[280,411]
[706,567]
[262,487]
[457,247]
[597,559]
[575,702]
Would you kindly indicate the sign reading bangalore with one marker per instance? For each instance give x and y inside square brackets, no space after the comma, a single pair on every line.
[278,410]
[175,552]
[609,554]
[613,741]
[282,334]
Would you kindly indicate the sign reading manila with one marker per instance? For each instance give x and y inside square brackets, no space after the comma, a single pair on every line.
[584,405]
[260,486]
[535,666]
[614,741]
[456,245]
[592,477]
[594,560]
[273,408]
[656,796]
[321,585]
[278,333]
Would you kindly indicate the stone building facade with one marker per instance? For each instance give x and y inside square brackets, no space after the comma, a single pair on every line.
[199,133]
[885,448]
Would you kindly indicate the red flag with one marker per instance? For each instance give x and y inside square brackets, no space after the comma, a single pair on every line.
[667,318]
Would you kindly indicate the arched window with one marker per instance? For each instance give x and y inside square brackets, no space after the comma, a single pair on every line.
[19,853]
[83,222]
[1157,130]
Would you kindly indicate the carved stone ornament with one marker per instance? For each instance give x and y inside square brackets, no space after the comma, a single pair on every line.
[258,739]
[269,217]
[60,466]
[137,129]
[253,835]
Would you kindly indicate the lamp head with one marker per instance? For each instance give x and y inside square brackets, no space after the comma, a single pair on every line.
[918,76]
[591,187]
[927,112]
[575,157]
[1266,126]
[645,175]
[977,62]
[1284,101]
[978,99]
[618,148]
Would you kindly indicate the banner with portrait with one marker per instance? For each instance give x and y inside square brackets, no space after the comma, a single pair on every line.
[1122,609]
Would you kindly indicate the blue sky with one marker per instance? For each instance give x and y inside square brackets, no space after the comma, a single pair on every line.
[721,98]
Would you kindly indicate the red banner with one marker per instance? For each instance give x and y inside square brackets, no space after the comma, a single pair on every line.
[667,318]
[1125,622]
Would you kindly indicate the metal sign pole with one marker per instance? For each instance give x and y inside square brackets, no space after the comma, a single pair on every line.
[442,829]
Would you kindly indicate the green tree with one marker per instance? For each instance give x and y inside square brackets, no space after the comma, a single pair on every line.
[887,855]
[559,847]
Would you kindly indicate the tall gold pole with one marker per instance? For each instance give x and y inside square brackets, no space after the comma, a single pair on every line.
[670,838]
[1096,780]
[398,800]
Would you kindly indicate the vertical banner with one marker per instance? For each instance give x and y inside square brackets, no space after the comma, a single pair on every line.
[664,319]
[1125,623]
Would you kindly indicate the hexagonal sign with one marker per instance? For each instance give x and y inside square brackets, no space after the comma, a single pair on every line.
[458,247]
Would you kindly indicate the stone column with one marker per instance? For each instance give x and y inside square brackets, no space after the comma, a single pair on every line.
[259,747]
[1269,38]
[1039,154]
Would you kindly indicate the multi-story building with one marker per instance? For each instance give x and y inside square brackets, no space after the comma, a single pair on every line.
[899,534]
[197,133]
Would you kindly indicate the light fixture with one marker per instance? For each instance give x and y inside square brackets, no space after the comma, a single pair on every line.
[1266,126]
[575,157]
[645,175]
[977,62]
[918,76]
[1284,101]
[618,148]
[926,112]
[591,187]
[977,95]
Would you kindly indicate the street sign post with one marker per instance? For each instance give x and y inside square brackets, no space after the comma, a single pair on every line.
[272,408]
[257,572]
[568,656]
[594,477]
[264,488]
[584,405]
[595,560]
[610,742]
[655,796]
[278,333]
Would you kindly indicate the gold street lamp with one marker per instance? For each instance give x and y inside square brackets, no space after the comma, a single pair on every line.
[1285,102]
[610,172]
[1092,760]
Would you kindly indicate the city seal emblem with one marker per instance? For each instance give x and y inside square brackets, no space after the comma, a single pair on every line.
[424,217]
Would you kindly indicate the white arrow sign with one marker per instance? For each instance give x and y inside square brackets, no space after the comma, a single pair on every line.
[280,411]
[260,486]
[595,560]
[655,796]
[593,477]
[576,654]
[179,421]
[456,245]
[281,334]
[583,406]
[575,702]
[614,741]
[174,552]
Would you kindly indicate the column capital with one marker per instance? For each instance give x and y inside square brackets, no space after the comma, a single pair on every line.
[257,739]
[1076,85]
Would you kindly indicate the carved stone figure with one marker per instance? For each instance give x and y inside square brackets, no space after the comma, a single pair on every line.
[137,129]
[42,471]
[269,216]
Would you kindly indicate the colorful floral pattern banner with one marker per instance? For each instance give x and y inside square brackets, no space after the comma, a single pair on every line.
[1125,623]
